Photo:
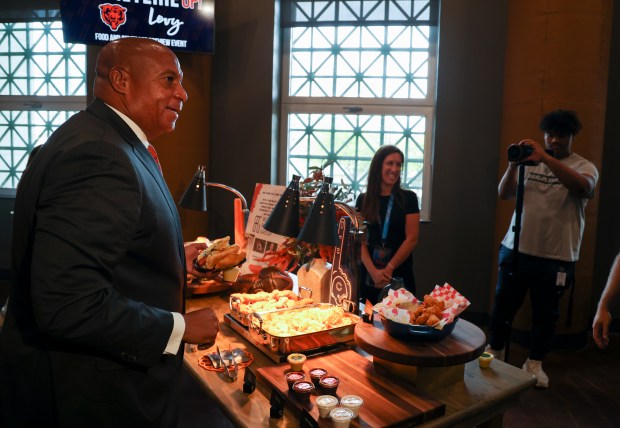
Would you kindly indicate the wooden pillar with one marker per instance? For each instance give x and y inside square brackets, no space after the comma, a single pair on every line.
[557,56]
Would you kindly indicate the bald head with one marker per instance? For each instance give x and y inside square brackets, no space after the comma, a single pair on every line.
[142,79]
[127,54]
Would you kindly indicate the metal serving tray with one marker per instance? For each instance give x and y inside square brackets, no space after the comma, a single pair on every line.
[309,342]
[244,319]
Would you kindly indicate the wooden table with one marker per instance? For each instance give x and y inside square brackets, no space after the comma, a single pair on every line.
[388,400]
[480,398]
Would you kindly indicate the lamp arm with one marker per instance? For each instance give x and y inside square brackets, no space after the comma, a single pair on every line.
[230,189]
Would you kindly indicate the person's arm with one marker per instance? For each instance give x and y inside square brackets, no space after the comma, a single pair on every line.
[412,232]
[580,184]
[202,326]
[507,188]
[609,297]
[374,273]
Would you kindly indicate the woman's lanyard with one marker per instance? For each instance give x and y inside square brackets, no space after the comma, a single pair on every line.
[387,221]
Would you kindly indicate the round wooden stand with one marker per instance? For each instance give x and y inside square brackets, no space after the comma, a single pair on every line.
[428,365]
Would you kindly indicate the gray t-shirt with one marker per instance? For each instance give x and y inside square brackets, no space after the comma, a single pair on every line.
[552,220]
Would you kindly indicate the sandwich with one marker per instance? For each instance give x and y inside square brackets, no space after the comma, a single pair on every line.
[220,255]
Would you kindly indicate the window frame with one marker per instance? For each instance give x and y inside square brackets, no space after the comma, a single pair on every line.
[44,103]
[370,106]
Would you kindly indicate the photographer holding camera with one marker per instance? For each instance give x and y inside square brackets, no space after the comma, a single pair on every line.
[558,184]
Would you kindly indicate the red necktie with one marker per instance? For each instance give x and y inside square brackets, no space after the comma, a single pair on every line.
[153,153]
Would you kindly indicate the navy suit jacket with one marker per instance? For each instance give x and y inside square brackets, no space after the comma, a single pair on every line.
[98,265]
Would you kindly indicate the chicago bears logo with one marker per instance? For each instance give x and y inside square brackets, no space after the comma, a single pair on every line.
[113,15]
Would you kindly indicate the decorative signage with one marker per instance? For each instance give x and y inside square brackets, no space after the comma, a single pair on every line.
[343,288]
[260,241]
[181,25]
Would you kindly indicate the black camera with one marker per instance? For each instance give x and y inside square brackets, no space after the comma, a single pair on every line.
[517,153]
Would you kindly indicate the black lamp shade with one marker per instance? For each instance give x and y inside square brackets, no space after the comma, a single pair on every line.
[320,226]
[195,197]
[284,219]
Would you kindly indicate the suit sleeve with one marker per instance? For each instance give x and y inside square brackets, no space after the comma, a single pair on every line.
[88,211]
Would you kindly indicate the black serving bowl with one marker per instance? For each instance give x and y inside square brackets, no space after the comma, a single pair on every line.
[421,333]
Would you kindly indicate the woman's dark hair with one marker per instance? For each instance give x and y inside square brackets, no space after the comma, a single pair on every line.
[560,122]
[370,205]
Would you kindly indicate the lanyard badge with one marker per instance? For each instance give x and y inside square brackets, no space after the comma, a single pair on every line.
[382,254]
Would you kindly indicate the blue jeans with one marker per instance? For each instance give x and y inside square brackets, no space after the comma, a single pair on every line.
[538,276]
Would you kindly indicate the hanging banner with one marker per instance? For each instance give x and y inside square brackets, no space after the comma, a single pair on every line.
[181,25]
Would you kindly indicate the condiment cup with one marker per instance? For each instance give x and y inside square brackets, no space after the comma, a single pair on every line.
[326,403]
[303,389]
[296,361]
[485,360]
[341,416]
[292,377]
[231,274]
[316,374]
[329,384]
[352,402]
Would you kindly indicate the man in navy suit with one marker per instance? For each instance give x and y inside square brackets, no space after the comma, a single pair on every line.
[94,328]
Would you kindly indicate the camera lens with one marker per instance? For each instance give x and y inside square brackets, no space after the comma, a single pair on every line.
[514,153]
[517,153]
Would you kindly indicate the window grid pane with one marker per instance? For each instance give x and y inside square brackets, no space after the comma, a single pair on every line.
[20,132]
[307,13]
[34,61]
[350,141]
[360,62]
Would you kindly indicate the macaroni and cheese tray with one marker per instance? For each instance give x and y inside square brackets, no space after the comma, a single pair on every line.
[243,305]
[309,329]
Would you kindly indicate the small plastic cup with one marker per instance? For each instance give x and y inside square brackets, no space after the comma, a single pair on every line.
[316,374]
[303,389]
[485,360]
[326,403]
[296,361]
[231,274]
[292,377]
[329,384]
[352,402]
[341,416]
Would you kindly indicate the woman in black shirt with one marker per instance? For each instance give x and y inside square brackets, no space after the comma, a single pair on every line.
[393,218]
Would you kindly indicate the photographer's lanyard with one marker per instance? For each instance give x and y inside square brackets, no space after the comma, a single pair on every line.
[387,221]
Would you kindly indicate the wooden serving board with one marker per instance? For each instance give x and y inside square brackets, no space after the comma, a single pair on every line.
[464,344]
[388,400]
